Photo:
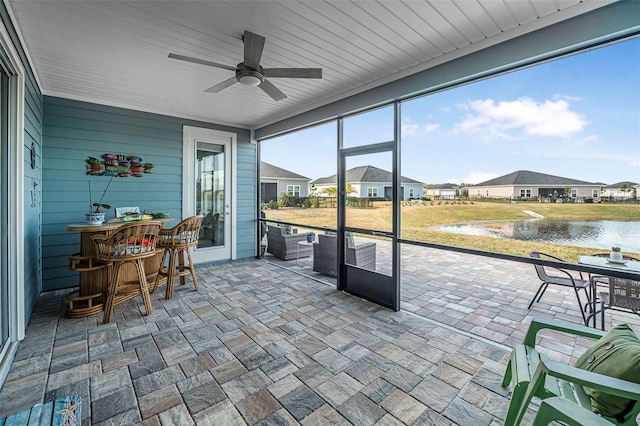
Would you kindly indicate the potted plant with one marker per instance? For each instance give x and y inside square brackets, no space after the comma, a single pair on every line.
[95,216]
[310,237]
[615,255]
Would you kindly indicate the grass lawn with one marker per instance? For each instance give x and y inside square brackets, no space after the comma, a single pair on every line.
[417,219]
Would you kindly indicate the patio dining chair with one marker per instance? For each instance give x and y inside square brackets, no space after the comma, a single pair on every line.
[556,276]
[621,295]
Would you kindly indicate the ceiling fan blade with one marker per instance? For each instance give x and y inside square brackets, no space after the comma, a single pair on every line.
[220,86]
[293,72]
[201,61]
[272,90]
[253,46]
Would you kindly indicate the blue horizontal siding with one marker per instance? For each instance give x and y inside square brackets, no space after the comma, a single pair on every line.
[74,130]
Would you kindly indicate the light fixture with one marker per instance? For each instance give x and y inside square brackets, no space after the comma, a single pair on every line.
[250,78]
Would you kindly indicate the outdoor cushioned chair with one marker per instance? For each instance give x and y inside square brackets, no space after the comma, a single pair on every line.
[177,242]
[604,379]
[325,254]
[131,243]
[284,246]
[556,276]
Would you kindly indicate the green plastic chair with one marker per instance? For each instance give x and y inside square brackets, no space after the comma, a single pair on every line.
[534,374]
[562,410]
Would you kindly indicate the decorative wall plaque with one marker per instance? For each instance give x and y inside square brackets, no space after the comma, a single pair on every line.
[118,165]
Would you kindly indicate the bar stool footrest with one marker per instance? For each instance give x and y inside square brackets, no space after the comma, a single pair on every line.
[83,306]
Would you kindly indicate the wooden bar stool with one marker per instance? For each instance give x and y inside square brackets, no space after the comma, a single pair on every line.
[176,242]
[131,243]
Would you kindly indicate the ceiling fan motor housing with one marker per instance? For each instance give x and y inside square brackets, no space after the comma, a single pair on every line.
[249,76]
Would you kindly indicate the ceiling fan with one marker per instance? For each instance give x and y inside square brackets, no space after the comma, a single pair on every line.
[250,73]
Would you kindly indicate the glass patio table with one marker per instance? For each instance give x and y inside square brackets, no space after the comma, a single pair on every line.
[627,265]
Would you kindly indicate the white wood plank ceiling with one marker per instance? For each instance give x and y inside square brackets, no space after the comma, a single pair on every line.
[115,53]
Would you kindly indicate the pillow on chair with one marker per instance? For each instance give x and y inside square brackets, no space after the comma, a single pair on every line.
[616,354]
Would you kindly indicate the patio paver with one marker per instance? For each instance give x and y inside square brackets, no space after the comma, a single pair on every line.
[259,344]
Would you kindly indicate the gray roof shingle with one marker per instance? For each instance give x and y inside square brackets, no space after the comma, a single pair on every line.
[526,177]
[363,174]
[619,185]
[270,171]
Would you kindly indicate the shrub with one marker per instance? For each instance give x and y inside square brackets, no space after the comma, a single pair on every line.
[286,200]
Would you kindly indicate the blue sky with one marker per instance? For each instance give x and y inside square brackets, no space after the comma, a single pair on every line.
[577,117]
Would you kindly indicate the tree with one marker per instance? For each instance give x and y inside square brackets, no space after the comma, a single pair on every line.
[623,189]
[331,191]
[349,189]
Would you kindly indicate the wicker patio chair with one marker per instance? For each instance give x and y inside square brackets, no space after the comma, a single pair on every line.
[131,243]
[325,255]
[556,276]
[176,242]
[285,246]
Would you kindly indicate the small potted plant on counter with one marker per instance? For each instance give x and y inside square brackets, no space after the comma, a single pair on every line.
[95,216]
[310,237]
[615,256]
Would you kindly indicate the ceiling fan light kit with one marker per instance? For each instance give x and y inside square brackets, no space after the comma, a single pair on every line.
[250,73]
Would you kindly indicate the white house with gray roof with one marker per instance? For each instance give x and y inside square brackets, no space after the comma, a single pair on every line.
[621,190]
[446,190]
[275,181]
[525,184]
[371,182]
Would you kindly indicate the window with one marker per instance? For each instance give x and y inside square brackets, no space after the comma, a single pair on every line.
[595,193]
[574,193]
[372,192]
[293,190]
[411,193]
[525,193]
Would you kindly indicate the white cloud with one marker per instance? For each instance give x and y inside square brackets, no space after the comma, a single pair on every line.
[567,97]
[524,116]
[408,127]
[431,127]
[477,177]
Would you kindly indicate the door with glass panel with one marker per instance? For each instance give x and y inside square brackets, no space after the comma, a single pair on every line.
[368,208]
[4,219]
[209,192]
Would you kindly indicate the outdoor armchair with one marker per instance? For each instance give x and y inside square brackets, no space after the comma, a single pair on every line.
[534,374]
[285,246]
[325,254]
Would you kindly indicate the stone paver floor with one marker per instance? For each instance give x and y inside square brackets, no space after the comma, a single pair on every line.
[261,344]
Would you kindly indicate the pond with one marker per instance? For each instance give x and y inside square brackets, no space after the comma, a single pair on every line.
[601,234]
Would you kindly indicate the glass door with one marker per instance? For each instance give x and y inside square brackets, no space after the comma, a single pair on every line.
[368,210]
[4,219]
[209,191]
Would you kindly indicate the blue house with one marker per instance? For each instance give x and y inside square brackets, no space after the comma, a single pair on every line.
[87,79]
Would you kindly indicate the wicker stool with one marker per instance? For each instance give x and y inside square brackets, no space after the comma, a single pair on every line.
[131,243]
[176,242]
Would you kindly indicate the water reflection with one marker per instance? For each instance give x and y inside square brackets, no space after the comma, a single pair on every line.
[602,234]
